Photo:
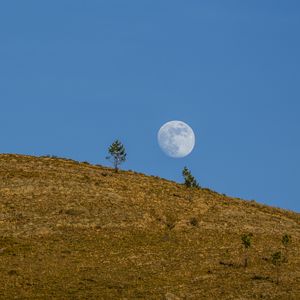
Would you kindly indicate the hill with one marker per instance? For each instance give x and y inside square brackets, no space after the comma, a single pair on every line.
[70,230]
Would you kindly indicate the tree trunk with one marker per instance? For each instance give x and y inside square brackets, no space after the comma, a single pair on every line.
[246,259]
[116,166]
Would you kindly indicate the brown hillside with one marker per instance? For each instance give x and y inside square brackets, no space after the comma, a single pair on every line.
[70,230]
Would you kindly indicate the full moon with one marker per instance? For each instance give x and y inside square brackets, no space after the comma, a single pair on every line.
[176,139]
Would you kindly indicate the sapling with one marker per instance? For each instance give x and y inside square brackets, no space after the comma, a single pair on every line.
[117,154]
[189,179]
[190,182]
[286,241]
[276,259]
[246,241]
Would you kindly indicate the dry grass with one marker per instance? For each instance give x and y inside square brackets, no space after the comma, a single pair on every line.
[70,230]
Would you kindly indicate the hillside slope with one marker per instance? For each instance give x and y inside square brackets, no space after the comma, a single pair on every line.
[70,230]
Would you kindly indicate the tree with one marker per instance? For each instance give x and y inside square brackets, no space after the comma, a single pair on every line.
[286,241]
[117,154]
[276,259]
[189,179]
[246,241]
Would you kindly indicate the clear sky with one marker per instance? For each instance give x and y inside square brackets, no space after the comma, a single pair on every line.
[75,75]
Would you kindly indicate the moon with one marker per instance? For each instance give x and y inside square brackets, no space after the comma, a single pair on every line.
[176,139]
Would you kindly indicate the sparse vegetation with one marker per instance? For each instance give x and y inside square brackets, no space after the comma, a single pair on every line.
[117,154]
[246,241]
[286,241]
[194,222]
[75,231]
[276,259]
[170,221]
[260,277]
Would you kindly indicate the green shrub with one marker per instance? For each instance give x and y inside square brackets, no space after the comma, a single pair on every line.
[194,222]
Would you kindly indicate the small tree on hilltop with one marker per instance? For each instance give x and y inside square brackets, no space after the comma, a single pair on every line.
[117,154]
[189,179]
[246,241]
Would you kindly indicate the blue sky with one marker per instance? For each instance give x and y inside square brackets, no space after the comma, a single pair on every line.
[75,75]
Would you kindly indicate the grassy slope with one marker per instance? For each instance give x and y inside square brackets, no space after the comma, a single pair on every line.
[75,231]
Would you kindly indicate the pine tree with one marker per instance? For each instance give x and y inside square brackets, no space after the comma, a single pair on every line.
[189,179]
[117,154]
